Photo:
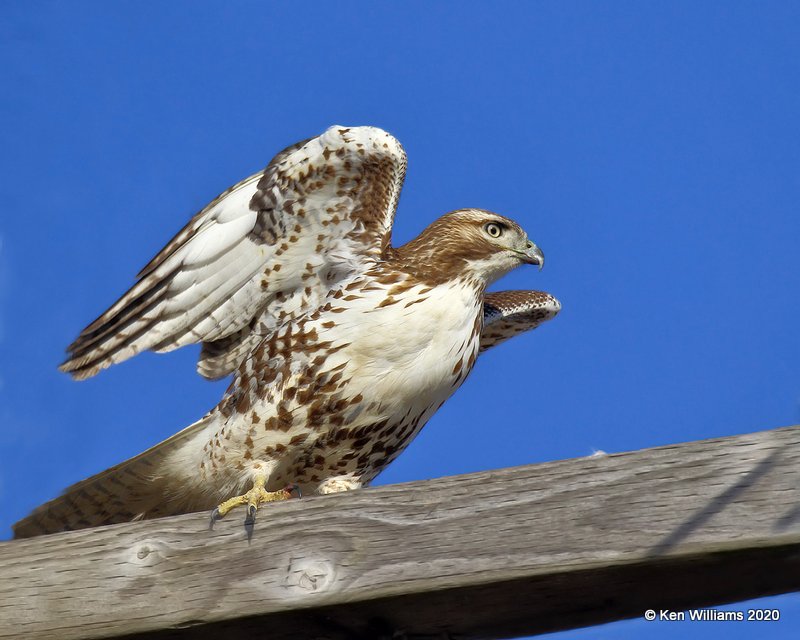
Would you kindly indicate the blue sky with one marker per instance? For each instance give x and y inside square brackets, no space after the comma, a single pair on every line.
[651,149]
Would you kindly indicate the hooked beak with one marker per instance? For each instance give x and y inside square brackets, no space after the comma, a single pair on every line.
[532,255]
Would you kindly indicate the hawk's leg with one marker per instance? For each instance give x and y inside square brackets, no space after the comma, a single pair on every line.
[337,484]
[258,495]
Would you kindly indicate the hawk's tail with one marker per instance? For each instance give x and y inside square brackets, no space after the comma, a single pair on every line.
[136,489]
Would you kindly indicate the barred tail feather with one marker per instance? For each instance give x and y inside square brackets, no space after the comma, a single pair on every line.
[136,489]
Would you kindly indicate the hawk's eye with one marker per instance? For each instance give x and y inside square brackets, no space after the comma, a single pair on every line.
[493,229]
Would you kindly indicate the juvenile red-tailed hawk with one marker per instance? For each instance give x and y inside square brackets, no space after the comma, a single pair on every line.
[342,345]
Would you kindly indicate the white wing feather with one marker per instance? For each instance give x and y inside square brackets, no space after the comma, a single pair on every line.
[321,209]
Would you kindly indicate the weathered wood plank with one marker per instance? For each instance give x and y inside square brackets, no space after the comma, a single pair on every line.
[496,554]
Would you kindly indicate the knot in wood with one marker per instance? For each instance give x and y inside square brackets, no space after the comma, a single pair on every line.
[309,575]
[146,553]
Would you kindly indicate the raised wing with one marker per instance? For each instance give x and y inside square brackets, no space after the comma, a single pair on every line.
[276,241]
[509,313]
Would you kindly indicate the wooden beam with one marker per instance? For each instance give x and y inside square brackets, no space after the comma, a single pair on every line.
[495,554]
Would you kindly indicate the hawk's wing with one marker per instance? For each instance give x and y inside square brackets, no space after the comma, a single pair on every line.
[321,209]
[509,313]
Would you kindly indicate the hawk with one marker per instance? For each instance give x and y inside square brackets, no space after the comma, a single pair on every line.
[342,345]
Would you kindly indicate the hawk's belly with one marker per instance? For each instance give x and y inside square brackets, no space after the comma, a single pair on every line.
[343,393]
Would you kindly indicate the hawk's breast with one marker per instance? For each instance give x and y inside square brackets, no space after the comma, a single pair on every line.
[408,349]
[344,390]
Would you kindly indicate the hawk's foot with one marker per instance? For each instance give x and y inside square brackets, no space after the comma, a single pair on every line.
[257,496]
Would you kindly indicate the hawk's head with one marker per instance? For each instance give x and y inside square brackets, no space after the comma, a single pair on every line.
[474,244]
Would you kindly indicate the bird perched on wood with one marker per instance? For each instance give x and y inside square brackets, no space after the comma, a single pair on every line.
[342,345]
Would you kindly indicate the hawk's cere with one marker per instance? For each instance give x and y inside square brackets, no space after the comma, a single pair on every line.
[342,345]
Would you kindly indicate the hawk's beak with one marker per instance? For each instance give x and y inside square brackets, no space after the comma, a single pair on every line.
[532,255]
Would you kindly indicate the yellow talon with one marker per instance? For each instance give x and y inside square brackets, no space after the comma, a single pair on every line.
[256,496]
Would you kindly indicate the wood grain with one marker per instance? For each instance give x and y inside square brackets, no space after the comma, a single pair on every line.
[486,555]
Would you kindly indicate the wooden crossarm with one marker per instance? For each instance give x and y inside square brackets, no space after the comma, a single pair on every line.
[487,555]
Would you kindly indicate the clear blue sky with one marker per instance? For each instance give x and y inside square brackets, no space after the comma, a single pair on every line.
[652,149]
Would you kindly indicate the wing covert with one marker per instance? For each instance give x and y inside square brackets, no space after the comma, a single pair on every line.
[322,209]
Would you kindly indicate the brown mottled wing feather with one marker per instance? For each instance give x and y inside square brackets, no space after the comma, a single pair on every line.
[509,313]
[321,209]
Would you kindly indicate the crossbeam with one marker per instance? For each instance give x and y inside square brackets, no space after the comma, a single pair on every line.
[487,555]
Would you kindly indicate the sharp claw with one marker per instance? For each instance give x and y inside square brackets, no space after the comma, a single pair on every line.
[214,517]
[250,521]
[257,495]
[294,487]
